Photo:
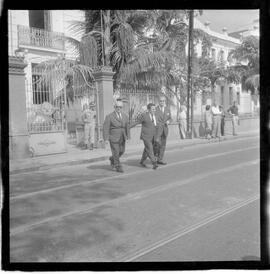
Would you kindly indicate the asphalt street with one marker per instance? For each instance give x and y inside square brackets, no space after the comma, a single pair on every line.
[202,206]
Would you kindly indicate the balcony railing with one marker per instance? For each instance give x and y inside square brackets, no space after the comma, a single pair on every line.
[40,38]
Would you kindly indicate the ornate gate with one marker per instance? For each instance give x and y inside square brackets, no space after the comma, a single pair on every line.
[54,109]
[45,103]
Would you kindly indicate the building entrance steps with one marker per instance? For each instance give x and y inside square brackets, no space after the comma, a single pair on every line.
[77,156]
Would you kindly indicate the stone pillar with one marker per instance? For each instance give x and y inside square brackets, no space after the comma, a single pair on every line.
[18,133]
[104,80]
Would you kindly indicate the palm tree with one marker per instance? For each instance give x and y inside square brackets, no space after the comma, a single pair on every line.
[121,41]
[62,74]
[145,48]
[247,57]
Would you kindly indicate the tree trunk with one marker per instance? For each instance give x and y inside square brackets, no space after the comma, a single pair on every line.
[213,94]
[107,34]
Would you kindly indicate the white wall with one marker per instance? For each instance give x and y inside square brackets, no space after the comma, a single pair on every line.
[57,18]
[15,18]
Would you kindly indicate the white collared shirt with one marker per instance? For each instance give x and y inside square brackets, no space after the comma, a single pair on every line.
[162,108]
[215,110]
[154,118]
[119,115]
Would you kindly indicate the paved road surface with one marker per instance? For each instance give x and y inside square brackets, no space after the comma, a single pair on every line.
[202,206]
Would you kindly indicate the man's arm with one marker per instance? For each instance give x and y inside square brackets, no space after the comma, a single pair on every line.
[127,127]
[169,119]
[139,120]
[106,128]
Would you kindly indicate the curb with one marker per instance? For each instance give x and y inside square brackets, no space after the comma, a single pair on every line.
[199,141]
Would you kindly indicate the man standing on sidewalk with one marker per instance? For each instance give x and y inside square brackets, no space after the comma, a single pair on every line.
[148,134]
[233,110]
[89,119]
[216,121]
[163,115]
[182,119]
[116,131]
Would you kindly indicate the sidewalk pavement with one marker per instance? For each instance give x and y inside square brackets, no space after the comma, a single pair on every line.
[77,156]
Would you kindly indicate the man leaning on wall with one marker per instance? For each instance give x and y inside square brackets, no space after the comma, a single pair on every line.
[89,119]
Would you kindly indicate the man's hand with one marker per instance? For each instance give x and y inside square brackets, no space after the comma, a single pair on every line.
[167,122]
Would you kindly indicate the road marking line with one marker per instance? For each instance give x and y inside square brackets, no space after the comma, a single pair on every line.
[129,197]
[22,196]
[42,169]
[183,232]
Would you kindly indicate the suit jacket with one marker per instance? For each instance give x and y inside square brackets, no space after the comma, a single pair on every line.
[162,119]
[149,130]
[114,128]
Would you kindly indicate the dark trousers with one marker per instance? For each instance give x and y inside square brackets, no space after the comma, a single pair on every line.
[222,126]
[161,147]
[118,150]
[216,126]
[148,150]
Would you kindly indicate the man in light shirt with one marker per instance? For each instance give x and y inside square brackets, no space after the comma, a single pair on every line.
[182,118]
[89,119]
[216,121]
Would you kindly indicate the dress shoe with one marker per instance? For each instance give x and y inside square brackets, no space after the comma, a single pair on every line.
[155,166]
[111,161]
[119,169]
[161,163]
[91,147]
[143,164]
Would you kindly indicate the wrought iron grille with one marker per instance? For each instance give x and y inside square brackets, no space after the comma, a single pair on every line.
[45,102]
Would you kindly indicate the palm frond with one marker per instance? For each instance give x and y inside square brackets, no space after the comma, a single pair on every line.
[77,28]
[253,82]
[88,51]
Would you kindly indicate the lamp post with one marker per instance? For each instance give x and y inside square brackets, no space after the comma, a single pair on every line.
[189,80]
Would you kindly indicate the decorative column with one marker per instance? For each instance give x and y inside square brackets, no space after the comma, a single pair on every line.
[104,80]
[18,133]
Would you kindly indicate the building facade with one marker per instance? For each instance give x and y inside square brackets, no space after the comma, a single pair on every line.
[225,93]
[40,36]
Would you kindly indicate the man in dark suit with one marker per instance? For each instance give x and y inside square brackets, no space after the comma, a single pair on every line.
[148,134]
[163,114]
[116,130]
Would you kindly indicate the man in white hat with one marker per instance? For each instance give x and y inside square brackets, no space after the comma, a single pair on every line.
[89,119]
[116,131]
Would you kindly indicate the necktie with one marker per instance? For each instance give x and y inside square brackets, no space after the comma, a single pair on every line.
[152,116]
[119,116]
